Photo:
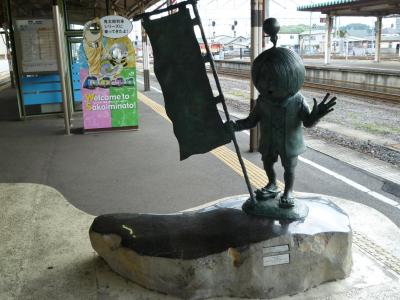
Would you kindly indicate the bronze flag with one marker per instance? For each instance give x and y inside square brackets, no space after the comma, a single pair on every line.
[180,69]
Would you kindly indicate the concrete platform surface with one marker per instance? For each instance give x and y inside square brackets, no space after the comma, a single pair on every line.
[46,253]
[357,64]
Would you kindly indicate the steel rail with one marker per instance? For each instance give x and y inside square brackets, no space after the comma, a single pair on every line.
[355,92]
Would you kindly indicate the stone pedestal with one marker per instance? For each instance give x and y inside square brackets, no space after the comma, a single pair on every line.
[221,251]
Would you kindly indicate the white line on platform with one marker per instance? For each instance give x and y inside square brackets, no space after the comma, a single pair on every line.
[342,178]
[153,88]
[350,182]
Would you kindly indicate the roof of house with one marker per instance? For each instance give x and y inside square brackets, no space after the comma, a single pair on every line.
[225,40]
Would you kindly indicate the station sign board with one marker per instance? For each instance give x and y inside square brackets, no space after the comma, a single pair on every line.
[108,75]
[37,45]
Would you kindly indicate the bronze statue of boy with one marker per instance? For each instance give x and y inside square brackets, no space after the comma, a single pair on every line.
[278,74]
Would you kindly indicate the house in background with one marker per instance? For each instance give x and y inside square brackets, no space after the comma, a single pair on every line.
[234,43]
[215,47]
[312,42]
[290,41]
[354,42]
[391,39]
[350,40]
[234,46]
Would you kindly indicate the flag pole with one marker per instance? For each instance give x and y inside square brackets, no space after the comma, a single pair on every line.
[222,98]
[214,71]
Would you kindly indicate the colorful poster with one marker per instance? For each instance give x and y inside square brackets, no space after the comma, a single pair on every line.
[108,75]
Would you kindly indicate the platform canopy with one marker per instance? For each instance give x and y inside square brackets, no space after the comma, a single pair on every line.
[365,8]
[126,8]
[77,10]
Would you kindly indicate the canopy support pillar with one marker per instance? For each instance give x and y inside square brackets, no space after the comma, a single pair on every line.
[257,19]
[62,67]
[378,34]
[328,39]
[146,61]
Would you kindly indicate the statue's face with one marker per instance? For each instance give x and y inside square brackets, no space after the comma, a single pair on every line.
[276,93]
[271,88]
[278,73]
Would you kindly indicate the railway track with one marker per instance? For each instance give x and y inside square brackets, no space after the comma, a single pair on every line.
[381,96]
[354,92]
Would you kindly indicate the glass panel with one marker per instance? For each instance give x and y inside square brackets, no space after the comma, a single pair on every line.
[74,47]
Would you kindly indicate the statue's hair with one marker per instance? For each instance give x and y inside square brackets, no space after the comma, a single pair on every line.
[280,65]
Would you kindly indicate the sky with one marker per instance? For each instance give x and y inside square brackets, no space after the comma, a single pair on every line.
[225,12]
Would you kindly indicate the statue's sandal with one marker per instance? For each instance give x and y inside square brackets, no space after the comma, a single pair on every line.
[267,193]
[286,202]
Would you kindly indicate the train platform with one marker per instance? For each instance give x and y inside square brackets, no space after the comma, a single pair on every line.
[365,65]
[53,185]
[390,67]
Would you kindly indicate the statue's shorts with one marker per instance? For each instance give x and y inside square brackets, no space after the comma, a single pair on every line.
[288,163]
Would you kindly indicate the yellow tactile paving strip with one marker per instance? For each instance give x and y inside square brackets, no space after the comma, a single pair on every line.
[381,255]
[257,176]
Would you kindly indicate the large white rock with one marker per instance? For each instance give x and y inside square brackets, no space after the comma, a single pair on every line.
[293,258]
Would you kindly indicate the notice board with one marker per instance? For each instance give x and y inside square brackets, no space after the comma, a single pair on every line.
[38,47]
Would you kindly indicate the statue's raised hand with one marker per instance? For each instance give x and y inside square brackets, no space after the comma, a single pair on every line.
[322,109]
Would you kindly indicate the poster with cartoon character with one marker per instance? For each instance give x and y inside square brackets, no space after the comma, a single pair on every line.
[108,74]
